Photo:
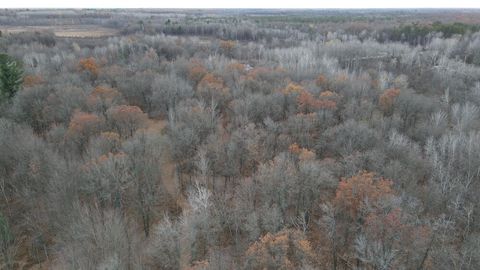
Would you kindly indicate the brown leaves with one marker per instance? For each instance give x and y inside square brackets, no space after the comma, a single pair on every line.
[227,46]
[103,97]
[32,80]
[82,126]
[126,119]
[211,81]
[212,86]
[389,222]
[104,92]
[387,99]
[83,122]
[352,193]
[196,71]
[236,67]
[287,249]
[293,88]
[90,65]
[308,103]
[125,111]
[303,153]
[294,149]
[322,81]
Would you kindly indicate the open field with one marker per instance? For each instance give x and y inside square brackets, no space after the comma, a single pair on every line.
[77,31]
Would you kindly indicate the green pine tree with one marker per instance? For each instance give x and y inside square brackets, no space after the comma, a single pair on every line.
[11,77]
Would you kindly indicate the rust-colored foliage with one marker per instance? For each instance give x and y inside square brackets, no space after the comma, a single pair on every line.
[82,126]
[286,249]
[89,64]
[237,71]
[126,119]
[211,81]
[326,104]
[303,153]
[211,86]
[306,154]
[293,88]
[257,77]
[308,103]
[387,98]
[389,222]
[104,92]
[111,136]
[322,81]
[258,72]
[126,111]
[352,193]
[196,71]
[394,229]
[103,96]
[294,149]
[32,80]
[228,46]
[236,67]
[84,122]
[328,94]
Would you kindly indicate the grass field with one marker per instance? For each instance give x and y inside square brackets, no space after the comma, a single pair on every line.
[79,31]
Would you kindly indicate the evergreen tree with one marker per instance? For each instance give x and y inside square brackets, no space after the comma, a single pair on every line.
[11,77]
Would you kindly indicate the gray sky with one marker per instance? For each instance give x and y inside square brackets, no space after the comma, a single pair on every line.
[239,4]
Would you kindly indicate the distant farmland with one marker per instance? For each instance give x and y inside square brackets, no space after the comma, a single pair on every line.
[78,31]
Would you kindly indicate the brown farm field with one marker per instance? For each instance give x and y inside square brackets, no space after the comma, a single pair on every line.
[77,31]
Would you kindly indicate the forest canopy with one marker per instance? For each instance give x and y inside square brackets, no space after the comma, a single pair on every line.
[239,139]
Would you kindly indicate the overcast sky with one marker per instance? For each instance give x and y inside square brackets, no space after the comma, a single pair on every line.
[240,4]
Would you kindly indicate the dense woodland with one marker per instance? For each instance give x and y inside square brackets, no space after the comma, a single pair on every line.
[241,140]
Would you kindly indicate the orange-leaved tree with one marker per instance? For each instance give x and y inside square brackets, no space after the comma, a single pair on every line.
[212,87]
[126,119]
[228,47]
[303,153]
[354,193]
[90,65]
[343,221]
[82,126]
[287,249]
[307,103]
[322,82]
[103,97]
[387,99]
[293,88]
[196,71]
